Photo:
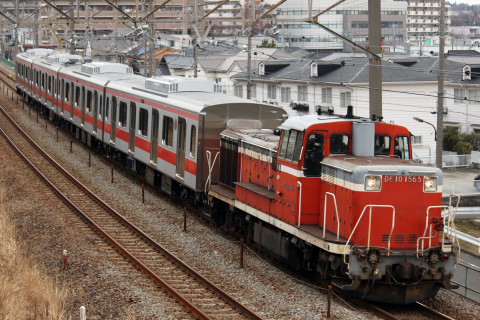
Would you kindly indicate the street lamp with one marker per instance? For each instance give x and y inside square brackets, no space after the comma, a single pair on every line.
[421,120]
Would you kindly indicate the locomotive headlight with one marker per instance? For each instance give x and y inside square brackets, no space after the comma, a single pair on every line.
[430,184]
[373,183]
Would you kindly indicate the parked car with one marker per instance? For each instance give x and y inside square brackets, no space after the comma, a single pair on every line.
[476,183]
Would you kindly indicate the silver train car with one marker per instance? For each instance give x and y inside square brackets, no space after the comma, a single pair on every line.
[167,128]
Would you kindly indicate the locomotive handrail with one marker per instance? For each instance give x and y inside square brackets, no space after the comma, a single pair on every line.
[447,214]
[325,214]
[371,206]
[210,168]
[299,186]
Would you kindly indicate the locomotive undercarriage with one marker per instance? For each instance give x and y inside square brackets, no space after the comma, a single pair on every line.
[397,277]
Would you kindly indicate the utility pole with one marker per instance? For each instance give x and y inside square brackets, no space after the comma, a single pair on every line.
[441,88]
[375,64]
[151,38]
[249,48]
[35,26]
[17,18]
[71,26]
[195,60]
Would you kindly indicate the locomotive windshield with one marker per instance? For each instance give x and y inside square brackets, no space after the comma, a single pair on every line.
[402,149]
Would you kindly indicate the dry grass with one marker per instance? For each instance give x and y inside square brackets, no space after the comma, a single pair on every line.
[25,291]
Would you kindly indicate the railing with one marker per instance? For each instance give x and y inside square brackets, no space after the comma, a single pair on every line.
[325,214]
[370,206]
[448,227]
[458,160]
[464,285]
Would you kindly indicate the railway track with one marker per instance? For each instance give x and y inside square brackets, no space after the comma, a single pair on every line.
[200,297]
[415,311]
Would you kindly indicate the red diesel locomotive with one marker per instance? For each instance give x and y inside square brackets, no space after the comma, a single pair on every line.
[340,196]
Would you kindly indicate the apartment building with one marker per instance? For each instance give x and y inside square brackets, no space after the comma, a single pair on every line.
[423,21]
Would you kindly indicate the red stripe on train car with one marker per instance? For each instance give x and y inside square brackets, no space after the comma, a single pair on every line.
[88,118]
[191,167]
[108,128]
[122,135]
[142,144]
[167,155]
[77,113]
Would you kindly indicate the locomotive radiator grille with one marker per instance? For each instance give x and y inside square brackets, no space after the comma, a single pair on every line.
[328,175]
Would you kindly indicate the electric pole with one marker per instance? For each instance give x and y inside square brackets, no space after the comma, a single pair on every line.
[71,26]
[375,63]
[441,88]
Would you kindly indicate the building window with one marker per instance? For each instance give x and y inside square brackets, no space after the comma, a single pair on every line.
[345,99]
[143,122]
[122,114]
[167,133]
[416,140]
[459,96]
[302,93]
[474,96]
[327,96]
[286,94]
[239,90]
[272,91]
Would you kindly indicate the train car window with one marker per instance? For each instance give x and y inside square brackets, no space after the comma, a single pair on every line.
[67,91]
[193,141]
[100,113]
[43,81]
[107,109]
[89,101]
[122,115]
[402,147]
[143,122]
[339,143]
[36,78]
[77,96]
[167,131]
[314,155]
[382,145]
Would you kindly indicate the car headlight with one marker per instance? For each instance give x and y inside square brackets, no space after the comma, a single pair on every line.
[373,183]
[430,184]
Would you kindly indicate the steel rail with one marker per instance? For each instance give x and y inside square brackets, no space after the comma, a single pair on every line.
[195,311]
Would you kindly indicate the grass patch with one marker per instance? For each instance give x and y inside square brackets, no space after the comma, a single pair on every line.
[26,292]
[470,228]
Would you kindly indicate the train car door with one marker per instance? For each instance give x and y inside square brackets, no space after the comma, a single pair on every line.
[154,144]
[181,141]
[114,119]
[133,117]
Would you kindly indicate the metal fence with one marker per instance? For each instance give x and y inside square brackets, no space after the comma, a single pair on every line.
[457,160]
[461,188]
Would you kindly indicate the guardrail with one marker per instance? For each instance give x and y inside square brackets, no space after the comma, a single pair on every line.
[464,237]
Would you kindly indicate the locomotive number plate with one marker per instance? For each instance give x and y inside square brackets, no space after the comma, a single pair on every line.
[408,179]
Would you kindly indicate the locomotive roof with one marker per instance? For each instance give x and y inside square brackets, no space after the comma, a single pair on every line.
[303,122]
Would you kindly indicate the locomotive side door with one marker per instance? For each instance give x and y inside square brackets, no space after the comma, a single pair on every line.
[181,141]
